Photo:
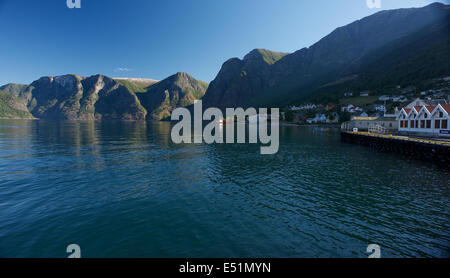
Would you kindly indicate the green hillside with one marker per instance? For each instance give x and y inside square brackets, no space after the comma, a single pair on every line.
[135,86]
[12,107]
[396,47]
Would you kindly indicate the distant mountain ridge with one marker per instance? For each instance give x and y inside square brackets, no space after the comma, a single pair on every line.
[72,97]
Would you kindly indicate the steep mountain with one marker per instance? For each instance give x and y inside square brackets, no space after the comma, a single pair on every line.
[178,90]
[11,107]
[239,81]
[348,54]
[72,97]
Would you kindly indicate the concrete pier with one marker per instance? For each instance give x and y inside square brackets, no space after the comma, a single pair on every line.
[413,148]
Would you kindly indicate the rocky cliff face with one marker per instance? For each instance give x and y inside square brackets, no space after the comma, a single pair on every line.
[72,97]
[239,81]
[178,90]
[259,81]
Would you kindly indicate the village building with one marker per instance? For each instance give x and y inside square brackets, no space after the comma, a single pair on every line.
[425,120]
[384,98]
[303,107]
[364,93]
[351,108]
[330,107]
[361,115]
[380,124]
[399,99]
[319,118]
[380,108]
[348,108]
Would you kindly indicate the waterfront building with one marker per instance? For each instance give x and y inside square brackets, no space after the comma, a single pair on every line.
[425,120]
[387,124]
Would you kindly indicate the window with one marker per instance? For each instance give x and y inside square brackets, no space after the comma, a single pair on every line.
[441,115]
[425,116]
[428,123]
[406,124]
[437,124]
[422,124]
[444,124]
[412,124]
[401,124]
[417,124]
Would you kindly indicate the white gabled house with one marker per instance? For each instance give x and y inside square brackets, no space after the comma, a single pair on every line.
[425,120]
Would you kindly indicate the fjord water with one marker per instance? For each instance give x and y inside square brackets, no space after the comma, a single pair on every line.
[123,189]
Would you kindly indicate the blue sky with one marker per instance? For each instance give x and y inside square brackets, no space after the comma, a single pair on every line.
[157,38]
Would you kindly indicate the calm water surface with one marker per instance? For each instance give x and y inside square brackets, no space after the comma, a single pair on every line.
[123,189]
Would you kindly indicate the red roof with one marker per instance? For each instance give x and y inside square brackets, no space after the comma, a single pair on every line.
[430,108]
[446,107]
[417,108]
[407,110]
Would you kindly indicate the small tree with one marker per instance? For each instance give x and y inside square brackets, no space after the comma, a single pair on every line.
[344,117]
[289,116]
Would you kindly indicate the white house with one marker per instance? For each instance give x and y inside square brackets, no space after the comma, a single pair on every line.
[380,108]
[399,99]
[384,98]
[363,114]
[348,108]
[425,120]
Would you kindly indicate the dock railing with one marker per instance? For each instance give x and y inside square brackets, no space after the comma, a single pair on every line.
[378,129]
